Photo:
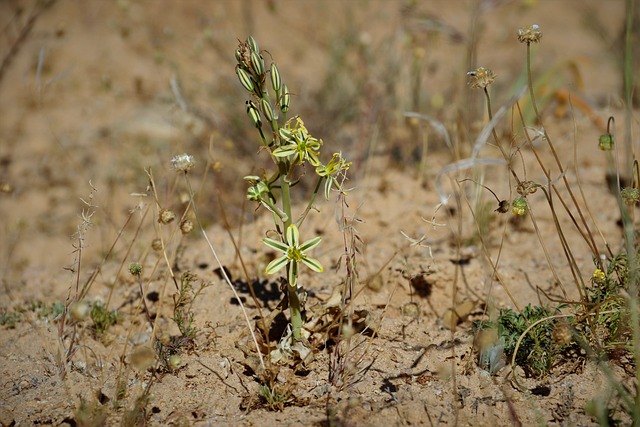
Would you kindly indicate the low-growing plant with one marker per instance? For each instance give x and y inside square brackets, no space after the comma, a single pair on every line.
[183,304]
[537,352]
[9,318]
[102,317]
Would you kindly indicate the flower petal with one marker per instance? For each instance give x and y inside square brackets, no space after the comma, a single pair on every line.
[285,150]
[293,274]
[293,235]
[313,264]
[276,264]
[275,244]
[310,244]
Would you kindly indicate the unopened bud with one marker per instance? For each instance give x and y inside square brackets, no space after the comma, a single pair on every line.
[285,99]
[252,44]
[266,109]
[257,64]
[245,79]
[254,113]
[275,78]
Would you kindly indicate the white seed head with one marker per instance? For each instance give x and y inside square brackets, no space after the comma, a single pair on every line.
[183,162]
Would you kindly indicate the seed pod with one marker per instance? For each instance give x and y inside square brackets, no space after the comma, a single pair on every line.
[166,216]
[257,64]
[285,99]
[254,113]
[252,44]
[266,109]
[245,79]
[275,78]
[186,226]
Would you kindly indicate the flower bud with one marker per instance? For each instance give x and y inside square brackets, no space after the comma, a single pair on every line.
[254,114]
[135,269]
[252,44]
[257,64]
[285,99]
[276,83]
[245,79]
[266,109]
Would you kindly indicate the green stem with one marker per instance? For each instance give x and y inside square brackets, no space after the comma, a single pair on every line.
[294,301]
[530,81]
[310,204]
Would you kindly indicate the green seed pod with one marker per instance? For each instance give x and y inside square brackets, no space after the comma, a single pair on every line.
[257,64]
[285,99]
[266,109]
[605,142]
[275,78]
[254,113]
[252,44]
[245,79]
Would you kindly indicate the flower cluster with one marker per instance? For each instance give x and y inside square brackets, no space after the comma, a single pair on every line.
[481,77]
[530,34]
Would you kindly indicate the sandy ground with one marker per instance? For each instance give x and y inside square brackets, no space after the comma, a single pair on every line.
[93,93]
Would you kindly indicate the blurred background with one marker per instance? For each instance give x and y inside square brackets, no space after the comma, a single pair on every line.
[96,91]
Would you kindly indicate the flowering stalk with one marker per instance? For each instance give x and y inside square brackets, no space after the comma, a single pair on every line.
[290,145]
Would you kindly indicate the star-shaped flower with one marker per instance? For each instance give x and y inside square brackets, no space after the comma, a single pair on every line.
[298,143]
[293,253]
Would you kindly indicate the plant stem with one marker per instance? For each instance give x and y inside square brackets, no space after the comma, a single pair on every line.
[294,301]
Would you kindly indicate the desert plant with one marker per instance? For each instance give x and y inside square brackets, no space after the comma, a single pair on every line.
[291,147]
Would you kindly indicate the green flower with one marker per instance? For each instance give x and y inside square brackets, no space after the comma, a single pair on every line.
[293,254]
[331,171]
[298,143]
